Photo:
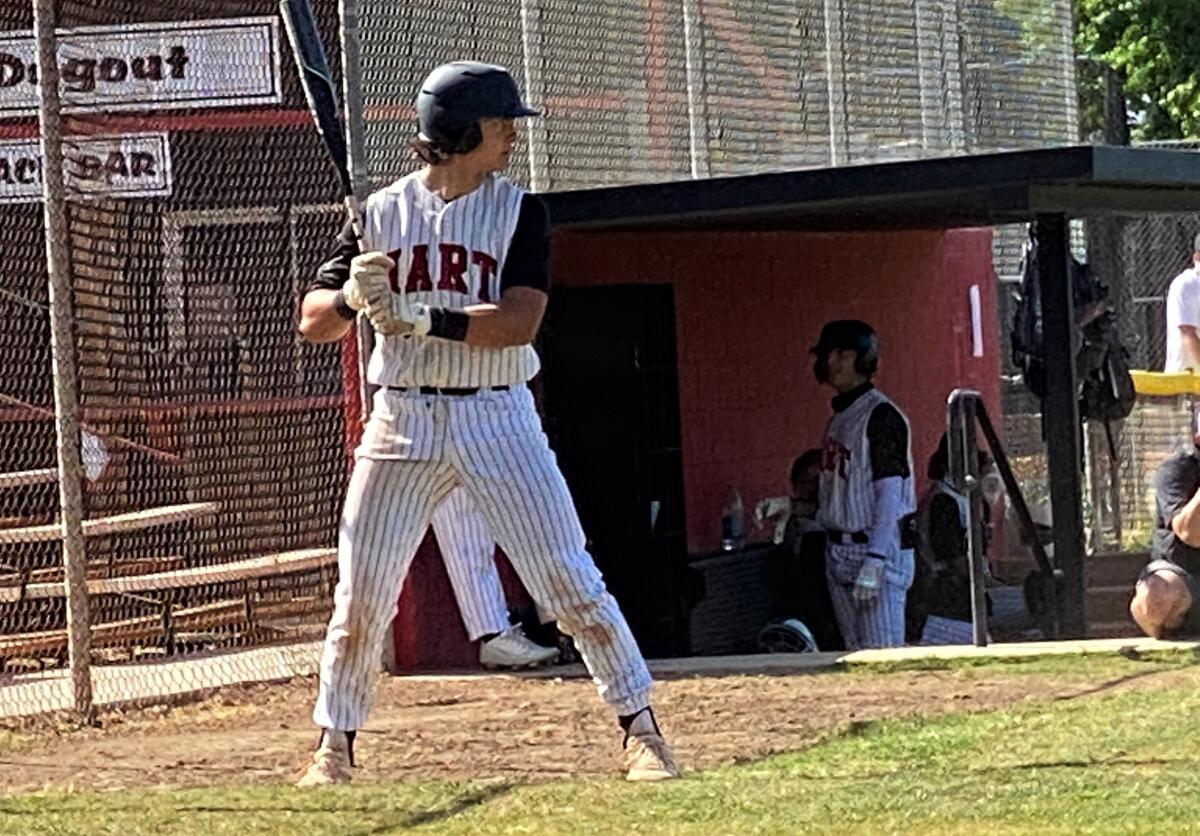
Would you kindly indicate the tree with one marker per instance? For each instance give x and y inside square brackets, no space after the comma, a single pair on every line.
[1153,46]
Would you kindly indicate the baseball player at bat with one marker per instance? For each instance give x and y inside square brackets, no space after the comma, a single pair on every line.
[454,279]
[469,553]
[866,491]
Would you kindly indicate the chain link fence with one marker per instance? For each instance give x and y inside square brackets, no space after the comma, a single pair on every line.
[657,91]
[198,203]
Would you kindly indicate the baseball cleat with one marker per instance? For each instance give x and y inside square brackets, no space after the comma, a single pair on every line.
[513,649]
[330,763]
[649,758]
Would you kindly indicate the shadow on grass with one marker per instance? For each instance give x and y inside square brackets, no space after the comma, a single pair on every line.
[464,802]
[1111,684]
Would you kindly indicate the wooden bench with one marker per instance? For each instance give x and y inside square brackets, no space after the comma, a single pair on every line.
[166,629]
[269,565]
[119,523]
[20,478]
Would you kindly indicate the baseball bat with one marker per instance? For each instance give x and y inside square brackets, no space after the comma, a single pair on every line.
[317,81]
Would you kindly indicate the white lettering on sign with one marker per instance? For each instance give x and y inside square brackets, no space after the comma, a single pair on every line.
[149,66]
[126,165]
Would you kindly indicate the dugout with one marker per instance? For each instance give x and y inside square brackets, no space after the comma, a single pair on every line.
[676,345]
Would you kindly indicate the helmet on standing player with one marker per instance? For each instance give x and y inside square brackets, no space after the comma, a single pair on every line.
[849,335]
[456,96]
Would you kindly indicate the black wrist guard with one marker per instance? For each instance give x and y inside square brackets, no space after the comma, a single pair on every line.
[448,324]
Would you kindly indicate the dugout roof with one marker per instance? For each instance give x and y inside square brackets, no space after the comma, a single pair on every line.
[979,190]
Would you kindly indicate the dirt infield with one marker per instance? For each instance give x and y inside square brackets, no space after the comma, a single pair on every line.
[498,727]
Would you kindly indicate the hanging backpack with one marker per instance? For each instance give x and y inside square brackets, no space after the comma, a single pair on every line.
[1106,390]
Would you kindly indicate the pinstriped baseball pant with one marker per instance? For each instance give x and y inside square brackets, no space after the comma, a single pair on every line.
[416,449]
[469,552]
[876,623]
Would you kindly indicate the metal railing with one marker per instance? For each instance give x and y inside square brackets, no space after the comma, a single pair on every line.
[965,415]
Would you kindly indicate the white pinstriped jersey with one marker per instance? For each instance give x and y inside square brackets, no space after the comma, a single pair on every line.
[846,490]
[448,254]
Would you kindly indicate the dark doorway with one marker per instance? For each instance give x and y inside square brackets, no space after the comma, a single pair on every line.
[611,401]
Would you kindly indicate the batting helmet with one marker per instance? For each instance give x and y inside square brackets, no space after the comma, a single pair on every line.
[789,635]
[850,335]
[456,96]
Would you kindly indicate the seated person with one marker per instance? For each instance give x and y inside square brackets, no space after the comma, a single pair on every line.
[796,567]
[1166,602]
[1165,594]
[938,609]
[1177,505]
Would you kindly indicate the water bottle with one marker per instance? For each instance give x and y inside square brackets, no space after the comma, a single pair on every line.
[733,522]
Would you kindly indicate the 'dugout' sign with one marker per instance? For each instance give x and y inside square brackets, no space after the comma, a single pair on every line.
[149,66]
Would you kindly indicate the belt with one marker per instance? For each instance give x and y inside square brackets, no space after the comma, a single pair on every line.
[907,531]
[448,390]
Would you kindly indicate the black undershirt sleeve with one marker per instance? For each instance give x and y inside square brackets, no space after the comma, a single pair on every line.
[527,263]
[335,271]
[887,434]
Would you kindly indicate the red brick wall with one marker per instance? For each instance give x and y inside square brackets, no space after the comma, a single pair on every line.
[749,306]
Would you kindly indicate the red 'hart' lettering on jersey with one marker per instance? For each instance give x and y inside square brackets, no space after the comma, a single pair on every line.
[454,264]
[418,272]
[393,274]
[487,269]
[835,458]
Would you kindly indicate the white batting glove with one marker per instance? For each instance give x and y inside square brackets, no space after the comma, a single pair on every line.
[368,282]
[368,290]
[396,317]
[870,577]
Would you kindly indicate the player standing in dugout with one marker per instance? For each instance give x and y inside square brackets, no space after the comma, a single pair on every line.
[454,279]
[866,490]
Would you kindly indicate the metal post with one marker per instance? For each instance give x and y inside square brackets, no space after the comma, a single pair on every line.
[66,393]
[1060,416]
[835,80]
[536,135]
[964,473]
[693,50]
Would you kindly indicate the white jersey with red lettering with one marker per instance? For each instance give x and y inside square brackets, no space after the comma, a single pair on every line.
[485,437]
[847,504]
[846,488]
[450,254]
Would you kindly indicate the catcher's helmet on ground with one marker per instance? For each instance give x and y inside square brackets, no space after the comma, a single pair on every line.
[850,335]
[456,96]
[788,635]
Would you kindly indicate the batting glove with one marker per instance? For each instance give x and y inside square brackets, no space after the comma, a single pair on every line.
[368,285]
[395,317]
[368,289]
[870,577]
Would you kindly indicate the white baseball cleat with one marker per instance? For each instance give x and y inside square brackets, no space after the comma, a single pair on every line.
[330,763]
[649,758]
[513,649]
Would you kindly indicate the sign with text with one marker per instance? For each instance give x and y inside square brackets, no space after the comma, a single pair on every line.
[126,165]
[149,66]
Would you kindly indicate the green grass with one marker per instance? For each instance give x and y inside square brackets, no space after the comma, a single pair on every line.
[1079,664]
[1114,761]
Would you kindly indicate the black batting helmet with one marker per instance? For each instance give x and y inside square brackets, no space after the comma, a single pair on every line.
[850,335]
[456,96]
